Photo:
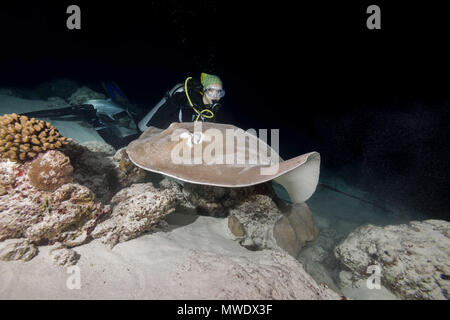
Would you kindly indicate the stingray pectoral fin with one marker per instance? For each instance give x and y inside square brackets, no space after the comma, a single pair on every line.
[150,131]
[301,182]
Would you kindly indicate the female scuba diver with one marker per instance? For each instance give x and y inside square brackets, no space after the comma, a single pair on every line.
[187,102]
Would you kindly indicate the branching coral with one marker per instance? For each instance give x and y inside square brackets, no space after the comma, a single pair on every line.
[22,138]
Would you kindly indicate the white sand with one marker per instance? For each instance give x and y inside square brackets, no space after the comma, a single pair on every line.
[131,270]
[195,260]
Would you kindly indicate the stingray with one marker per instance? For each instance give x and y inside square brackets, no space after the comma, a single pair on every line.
[208,156]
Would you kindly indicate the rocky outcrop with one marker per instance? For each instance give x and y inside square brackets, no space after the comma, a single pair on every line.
[125,171]
[83,94]
[236,227]
[93,169]
[258,223]
[17,249]
[181,196]
[103,170]
[48,200]
[217,201]
[56,102]
[102,148]
[295,228]
[62,256]
[414,257]
[66,214]
[136,210]
[255,218]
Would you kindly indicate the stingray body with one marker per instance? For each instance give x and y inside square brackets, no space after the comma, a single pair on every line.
[222,155]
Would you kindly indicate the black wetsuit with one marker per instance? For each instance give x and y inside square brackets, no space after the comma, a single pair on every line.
[170,111]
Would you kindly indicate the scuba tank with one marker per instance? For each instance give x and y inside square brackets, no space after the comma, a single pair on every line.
[143,124]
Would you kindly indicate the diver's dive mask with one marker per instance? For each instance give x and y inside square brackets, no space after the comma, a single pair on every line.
[214,93]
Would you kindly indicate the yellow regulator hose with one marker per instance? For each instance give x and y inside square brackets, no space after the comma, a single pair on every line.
[204,111]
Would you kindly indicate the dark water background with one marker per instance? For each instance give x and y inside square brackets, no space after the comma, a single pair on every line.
[375,104]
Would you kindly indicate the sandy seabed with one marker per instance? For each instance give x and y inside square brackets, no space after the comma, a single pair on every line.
[195,259]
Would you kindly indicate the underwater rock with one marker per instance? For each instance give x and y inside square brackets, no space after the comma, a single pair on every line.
[293,230]
[8,172]
[182,204]
[94,170]
[414,257]
[103,170]
[99,147]
[127,172]
[17,249]
[22,138]
[56,102]
[66,214]
[257,216]
[207,199]
[136,210]
[50,170]
[83,94]
[217,201]
[235,226]
[62,256]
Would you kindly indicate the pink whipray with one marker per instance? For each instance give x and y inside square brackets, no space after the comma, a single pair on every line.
[222,155]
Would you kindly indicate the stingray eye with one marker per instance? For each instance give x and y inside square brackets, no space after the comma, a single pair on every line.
[197,137]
